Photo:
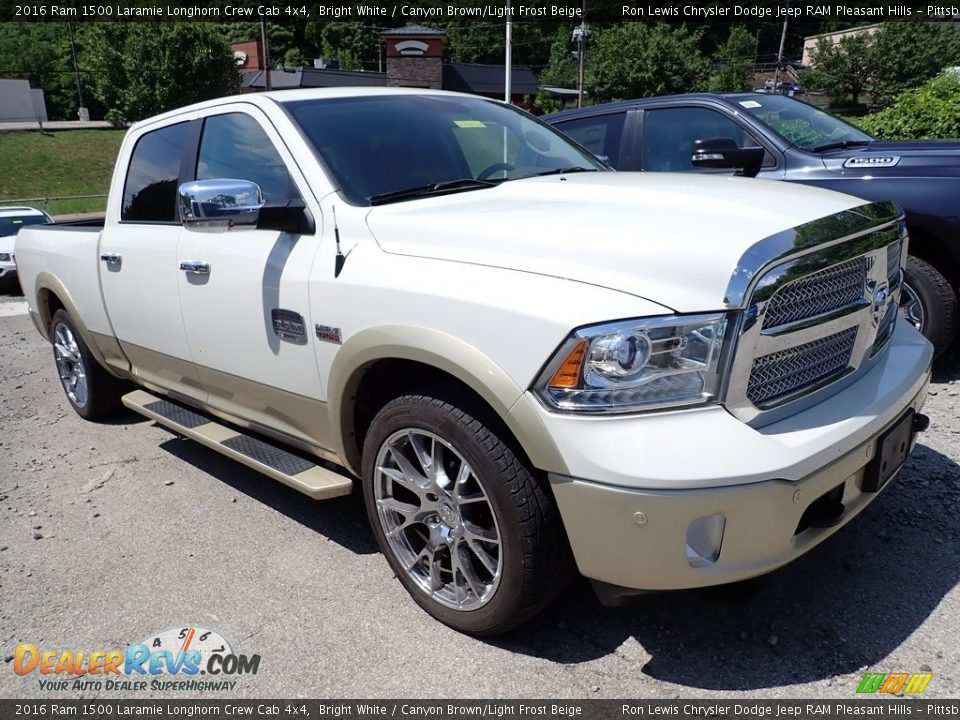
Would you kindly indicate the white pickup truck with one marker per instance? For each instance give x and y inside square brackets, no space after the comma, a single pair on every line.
[516,352]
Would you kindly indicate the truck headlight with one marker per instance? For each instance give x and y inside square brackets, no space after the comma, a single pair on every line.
[635,365]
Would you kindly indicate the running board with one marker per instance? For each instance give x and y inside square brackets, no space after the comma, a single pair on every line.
[304,475]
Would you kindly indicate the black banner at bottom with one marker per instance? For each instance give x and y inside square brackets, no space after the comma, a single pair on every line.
[462,709]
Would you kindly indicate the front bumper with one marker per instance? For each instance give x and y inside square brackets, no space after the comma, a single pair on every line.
[634,534]
[8,271]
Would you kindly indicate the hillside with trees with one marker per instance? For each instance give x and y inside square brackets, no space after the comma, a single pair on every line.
[127,71]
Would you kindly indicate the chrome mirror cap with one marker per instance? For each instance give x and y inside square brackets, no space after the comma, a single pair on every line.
[219,205]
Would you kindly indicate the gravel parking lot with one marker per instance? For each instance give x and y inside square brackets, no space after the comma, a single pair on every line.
[112,532]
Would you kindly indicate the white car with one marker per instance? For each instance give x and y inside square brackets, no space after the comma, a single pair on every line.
[11,220]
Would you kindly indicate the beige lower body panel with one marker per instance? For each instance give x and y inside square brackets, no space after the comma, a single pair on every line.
[637,538]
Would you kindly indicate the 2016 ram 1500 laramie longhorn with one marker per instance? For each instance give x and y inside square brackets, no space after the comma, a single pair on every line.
[683,380]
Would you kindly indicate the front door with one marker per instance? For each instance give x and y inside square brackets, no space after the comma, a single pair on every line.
[246,311]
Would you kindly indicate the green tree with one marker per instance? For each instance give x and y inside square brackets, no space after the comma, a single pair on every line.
[141,69]
[355,44]
[930,111]
[841,69]
[736,56]
[285,48]
[632,59]
[40,53]
[561,70]
[905,55]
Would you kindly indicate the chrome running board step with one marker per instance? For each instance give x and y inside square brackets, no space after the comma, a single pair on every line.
[273,461]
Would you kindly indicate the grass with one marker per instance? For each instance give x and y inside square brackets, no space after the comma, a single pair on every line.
[45,166]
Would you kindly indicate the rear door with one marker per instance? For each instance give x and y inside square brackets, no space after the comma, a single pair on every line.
[606,135]
[138,263]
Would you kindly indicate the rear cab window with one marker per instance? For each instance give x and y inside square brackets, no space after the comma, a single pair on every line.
[150,188]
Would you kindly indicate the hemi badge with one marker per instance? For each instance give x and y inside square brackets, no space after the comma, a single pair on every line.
[869,162]
[329,334]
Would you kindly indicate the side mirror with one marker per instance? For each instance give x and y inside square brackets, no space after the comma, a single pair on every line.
[219,205]
[723,153]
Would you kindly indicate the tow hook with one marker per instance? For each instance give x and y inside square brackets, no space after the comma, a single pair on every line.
[920,422]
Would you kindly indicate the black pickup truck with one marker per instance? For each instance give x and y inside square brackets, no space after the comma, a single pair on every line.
[777,137]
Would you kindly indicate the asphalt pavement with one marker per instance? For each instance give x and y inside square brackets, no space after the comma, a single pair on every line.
[110,533]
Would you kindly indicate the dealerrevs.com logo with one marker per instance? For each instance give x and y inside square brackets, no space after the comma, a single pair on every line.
[191,659]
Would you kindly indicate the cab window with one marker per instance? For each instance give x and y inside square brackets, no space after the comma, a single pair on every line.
[150,188]
[235,146]
[600,134]
[669,134]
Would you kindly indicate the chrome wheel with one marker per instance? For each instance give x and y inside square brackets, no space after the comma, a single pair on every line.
[70,365]
[437,519]
[911,309]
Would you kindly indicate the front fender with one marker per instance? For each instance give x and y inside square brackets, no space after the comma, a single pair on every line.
[437,350]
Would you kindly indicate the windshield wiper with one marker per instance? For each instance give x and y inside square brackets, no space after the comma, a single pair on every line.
[562,171]
[839,145]
[432,189]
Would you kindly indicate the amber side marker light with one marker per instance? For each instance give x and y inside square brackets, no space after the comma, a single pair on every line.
[568,374]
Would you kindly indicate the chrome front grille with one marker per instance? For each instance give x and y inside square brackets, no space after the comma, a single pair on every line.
[786,372]
[885,329]
[893,261]
[818,293]
[815,317]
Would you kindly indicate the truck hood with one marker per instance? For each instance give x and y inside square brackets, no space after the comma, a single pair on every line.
[669,238]
[912,158]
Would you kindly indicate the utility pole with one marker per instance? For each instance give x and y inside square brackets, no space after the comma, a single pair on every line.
[776,74]
[265,42]
[508,66]
[580,36]
[82,112]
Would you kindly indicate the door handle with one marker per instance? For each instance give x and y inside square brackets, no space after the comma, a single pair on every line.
[195,267]
[111,258]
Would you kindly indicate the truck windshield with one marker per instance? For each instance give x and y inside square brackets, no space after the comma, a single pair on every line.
[11,225]
[800,124]
[382,146]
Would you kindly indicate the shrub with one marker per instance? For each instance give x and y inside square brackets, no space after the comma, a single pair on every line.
[930,111]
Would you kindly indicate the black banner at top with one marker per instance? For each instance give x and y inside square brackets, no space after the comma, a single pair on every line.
[422,12]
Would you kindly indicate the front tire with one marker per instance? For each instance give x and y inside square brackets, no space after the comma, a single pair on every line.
[929,303]
[466,527]
[91,391]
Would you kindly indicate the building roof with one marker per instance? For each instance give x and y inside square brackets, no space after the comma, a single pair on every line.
[313,77]
[413,30]
[488,79]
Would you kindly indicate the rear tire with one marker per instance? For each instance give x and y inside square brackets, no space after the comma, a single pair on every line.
[466,527]
[91,391]
[929,303]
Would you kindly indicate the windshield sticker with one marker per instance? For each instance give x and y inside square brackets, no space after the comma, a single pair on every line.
[750,104]
[469,123]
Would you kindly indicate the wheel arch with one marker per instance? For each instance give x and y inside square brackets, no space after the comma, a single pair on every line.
[928,241]
[51,295]
[379,364]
